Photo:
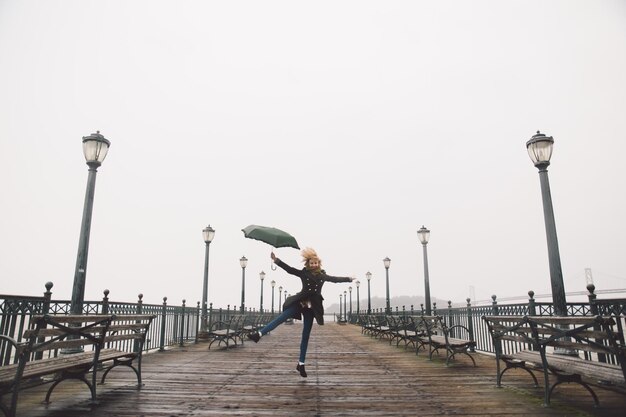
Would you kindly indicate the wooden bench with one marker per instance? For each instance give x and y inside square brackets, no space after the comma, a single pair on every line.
[226,331]
[401,330]
[433,332]
[583,350]
[71,347]
[124,342]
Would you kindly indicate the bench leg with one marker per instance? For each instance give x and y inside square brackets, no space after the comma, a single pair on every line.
[464,353]
[92,388]
[515,366]
[128,363]
[596,401]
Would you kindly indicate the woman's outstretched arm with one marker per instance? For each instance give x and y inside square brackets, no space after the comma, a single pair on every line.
[338,279]
[289,269]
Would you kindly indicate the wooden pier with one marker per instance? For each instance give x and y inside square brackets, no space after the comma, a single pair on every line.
[350,374]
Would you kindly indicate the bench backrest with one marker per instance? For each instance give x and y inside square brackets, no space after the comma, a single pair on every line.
[431,325]
[586,334]
[53,333]
[128,332]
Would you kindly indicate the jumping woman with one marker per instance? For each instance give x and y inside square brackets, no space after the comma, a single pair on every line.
[305,305]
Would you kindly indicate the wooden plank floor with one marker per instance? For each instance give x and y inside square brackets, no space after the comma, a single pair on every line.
[349,375]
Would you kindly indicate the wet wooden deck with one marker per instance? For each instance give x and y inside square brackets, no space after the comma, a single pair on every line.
[349,375]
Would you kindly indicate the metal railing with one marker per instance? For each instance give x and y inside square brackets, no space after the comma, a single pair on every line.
[173,325]
[471,316]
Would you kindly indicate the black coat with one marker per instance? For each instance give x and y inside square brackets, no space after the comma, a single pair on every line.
[311,290]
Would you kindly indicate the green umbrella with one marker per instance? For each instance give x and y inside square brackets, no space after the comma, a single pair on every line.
[270,235]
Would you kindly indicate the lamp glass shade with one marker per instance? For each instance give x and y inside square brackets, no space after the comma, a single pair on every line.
[539,149]
[423,234]
[368,276]
[273,283]
[357,283]
[95,148]
[243,261]
[387,262]
[262,275]
[208,233]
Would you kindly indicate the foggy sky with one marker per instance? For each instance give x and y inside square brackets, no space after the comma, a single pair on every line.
[349,124]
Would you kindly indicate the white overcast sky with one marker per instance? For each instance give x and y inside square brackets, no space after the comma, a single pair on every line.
[349,124]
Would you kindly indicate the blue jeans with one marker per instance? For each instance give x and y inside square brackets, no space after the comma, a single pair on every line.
[307,315]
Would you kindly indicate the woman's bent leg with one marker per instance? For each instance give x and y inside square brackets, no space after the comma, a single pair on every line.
[307,324]
[279,320]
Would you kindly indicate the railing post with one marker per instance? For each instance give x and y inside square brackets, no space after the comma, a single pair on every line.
[182,324]
[412,309]
[470,323]
[105,302]
[422,307]
[532,308]
[139,311]
[593,308]
[197,321]
[163,320]
[45,309]
[210,316]
[139,303]
[434,309]
[47,296]
[494,305]
[450,319]
[403,311]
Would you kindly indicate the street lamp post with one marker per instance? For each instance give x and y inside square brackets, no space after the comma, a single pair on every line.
[350,291]
[280,294]
[243,261]
[262,276]
[368,275]
[540,151]
[273,283]
[95,148]
[340,307]
[345,310]
[387,262]
[424,234]
[207,234]
[358,306]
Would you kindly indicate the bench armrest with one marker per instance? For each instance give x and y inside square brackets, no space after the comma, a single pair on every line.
[8,340]
[457,326]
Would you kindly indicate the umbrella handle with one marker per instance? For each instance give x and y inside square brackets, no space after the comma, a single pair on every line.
[272,265]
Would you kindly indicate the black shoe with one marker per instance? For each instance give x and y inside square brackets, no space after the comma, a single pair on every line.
[300,368]
[254,336]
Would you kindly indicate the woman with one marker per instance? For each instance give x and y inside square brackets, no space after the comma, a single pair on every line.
[306,304]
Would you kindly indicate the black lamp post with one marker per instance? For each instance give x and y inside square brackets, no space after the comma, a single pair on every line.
[424,234]
[273,283]
[243,261]
[262,276]
[368,275]
[280,294]
[387,262]
[350,292]
[340,307]
[540,151]
[207,234]
[95,148]
[345,310]
[358,307]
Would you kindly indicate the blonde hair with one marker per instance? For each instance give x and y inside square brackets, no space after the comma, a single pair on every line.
[308,254]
